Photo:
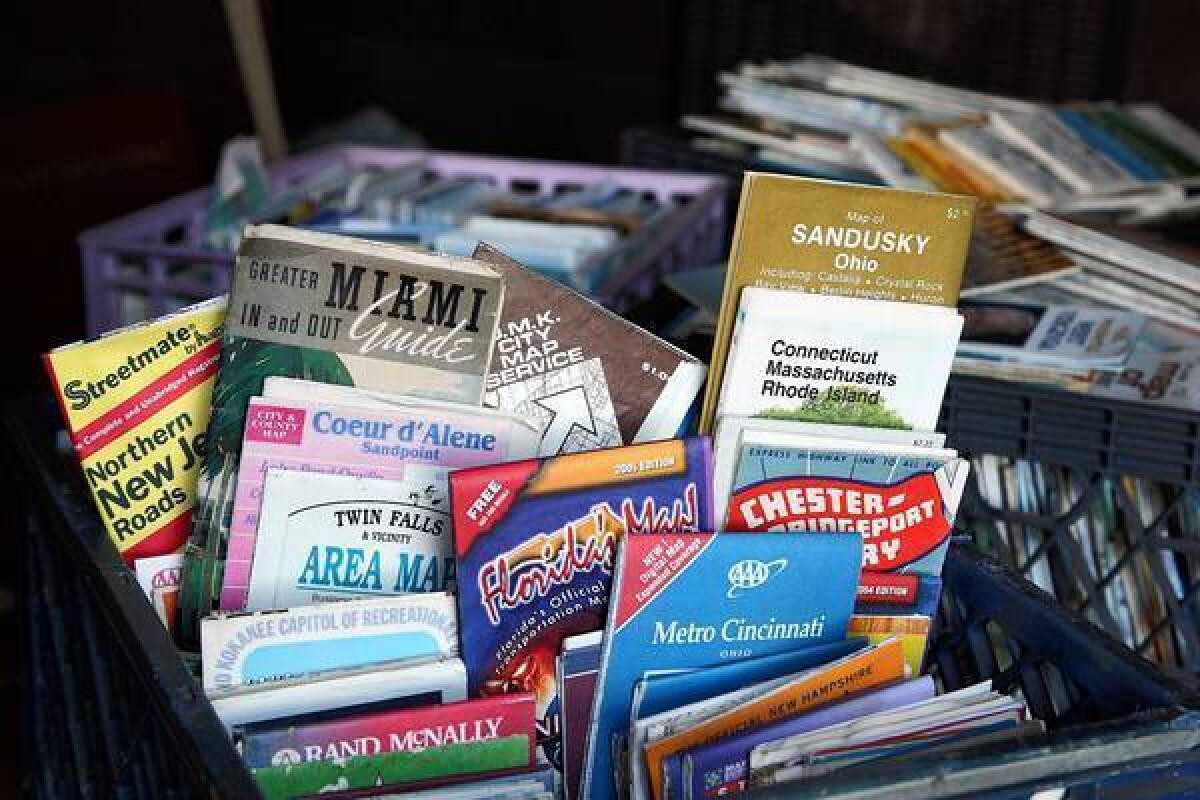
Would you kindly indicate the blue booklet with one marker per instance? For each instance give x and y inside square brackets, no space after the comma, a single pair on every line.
[683,601]
[659,692]
[1109,145]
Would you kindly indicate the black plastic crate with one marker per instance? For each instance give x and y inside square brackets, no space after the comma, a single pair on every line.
[1114,437]
[1150,568]
[114,711]
[111,708]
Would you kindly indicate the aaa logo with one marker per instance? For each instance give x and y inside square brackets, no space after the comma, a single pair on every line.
[751,573]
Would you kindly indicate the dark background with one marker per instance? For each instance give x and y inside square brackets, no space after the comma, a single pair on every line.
[111,106]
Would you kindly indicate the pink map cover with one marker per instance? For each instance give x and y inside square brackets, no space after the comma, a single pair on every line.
[409,442]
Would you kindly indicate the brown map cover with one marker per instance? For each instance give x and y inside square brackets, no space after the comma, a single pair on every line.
[1003,256]
[589,377]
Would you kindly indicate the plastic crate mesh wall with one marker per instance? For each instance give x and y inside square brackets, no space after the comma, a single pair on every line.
[91,730]
[992,625]
[968,646]
[1122,551]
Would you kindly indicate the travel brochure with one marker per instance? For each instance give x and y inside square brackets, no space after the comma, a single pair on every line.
[826,239]
[410,442]
[863,362]
[455,533]
[136,405]
[537,542]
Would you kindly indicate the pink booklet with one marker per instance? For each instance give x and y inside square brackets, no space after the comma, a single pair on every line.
[393,442]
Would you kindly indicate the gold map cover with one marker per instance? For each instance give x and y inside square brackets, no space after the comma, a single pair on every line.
[840,239]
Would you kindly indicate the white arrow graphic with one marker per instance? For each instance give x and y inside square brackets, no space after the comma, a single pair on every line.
[570,409]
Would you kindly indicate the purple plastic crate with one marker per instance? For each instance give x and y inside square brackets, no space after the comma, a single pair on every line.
[149,263]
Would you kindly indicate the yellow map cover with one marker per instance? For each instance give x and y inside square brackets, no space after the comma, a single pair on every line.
[912,631]
[814,236]
[861,672]
[136,402]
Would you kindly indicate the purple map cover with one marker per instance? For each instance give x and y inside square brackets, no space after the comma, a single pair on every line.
[578,669]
